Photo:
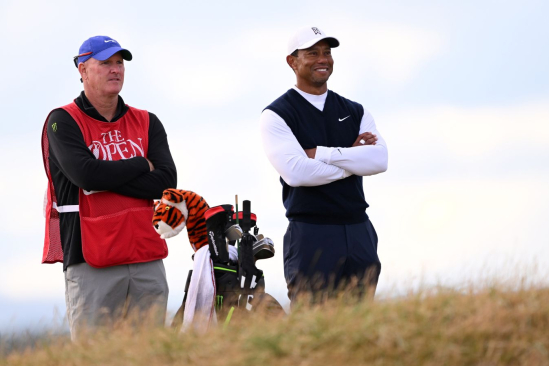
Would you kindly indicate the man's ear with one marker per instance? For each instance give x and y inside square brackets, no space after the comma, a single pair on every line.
[82,70]
[291,60]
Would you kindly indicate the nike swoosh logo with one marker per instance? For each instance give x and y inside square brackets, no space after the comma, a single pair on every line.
[343,119]
[110,40]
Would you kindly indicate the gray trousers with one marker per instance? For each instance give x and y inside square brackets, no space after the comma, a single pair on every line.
[99,296]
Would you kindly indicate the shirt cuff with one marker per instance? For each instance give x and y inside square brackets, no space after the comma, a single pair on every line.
[323,154]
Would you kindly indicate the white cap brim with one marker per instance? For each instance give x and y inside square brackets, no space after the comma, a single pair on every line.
[333,42]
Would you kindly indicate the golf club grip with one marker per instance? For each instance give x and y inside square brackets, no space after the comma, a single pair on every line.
[246,215]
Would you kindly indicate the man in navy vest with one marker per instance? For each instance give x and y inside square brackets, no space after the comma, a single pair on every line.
[322,145]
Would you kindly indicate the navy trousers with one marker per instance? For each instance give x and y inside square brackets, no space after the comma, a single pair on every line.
[324,258]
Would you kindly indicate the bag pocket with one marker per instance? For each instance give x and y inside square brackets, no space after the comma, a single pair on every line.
[121,238]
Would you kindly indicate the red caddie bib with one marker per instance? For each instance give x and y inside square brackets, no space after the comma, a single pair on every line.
[115,229]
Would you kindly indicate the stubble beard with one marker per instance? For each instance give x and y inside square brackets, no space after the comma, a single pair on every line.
[320,81]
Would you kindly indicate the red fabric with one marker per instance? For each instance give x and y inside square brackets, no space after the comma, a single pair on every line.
[253,217]
[123,139]
[115,229]
[213,211]
[53,251]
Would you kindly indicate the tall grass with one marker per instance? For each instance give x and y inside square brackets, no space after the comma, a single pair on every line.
[494,325]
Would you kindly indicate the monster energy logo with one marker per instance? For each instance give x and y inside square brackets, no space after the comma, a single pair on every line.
[54,126]
[219,302]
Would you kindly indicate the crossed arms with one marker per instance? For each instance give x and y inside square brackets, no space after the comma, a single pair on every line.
[328,164]
[132,177]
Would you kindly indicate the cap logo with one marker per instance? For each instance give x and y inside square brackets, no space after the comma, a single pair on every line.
[110,40]
[316,30]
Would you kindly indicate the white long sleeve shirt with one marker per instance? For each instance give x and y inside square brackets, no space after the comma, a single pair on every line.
[330,163]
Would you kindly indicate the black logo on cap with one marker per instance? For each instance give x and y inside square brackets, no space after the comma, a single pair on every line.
[316,30]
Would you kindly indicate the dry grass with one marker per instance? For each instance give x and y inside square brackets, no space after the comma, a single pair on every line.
[490,326]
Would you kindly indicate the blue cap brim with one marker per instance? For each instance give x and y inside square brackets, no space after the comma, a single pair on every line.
[105,54]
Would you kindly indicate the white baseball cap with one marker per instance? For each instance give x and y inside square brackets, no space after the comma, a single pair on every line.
[307,37]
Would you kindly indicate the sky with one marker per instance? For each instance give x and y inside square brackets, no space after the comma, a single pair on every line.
[459,91]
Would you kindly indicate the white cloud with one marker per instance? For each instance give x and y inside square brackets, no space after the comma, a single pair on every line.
[22,188]
[453,230]
[29,279]
[193,75]
[22,19]
[202,74]
[390,53]
[200,84]
[495,141]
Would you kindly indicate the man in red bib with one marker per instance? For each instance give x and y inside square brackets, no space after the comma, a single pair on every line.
[105,162]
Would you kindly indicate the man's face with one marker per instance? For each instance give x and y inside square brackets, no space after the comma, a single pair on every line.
[104,77]
[314,65]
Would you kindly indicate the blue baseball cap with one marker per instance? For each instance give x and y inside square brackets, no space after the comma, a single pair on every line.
[100,48]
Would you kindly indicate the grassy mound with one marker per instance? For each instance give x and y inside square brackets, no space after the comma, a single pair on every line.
[492,326]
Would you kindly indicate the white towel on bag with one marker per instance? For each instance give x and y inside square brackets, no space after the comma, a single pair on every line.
[200,304]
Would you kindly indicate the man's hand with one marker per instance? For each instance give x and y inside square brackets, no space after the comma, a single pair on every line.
[151,166]
[311,153]
[366,138]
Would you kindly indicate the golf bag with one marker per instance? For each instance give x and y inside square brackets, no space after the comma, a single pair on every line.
[239,284]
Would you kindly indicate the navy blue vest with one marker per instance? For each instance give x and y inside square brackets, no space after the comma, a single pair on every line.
[342,201]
